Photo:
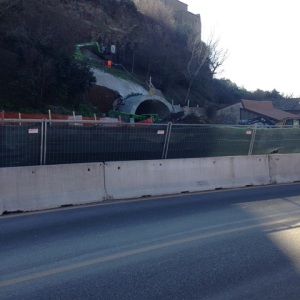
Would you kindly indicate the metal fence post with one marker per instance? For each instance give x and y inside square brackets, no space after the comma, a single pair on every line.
[42,142]
[167,141]
[45,142]
[252,139]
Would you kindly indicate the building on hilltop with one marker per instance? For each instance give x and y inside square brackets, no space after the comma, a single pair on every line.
[182,16]
[176,5]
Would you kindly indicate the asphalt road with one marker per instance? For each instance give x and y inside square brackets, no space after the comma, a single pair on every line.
[237,244]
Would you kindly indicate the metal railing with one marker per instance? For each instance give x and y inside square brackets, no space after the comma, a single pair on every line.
[45,142]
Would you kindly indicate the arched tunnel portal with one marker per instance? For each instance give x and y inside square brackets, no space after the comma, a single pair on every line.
[146,104]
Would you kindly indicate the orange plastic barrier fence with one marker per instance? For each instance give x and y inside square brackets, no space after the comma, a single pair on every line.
[37,116]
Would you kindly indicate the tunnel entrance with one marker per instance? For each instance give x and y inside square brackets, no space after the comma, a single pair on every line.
[153,107]
[146,104]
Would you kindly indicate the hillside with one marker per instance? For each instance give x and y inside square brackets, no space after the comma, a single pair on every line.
[38,68]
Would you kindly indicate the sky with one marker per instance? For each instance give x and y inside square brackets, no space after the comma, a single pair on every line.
[261,37]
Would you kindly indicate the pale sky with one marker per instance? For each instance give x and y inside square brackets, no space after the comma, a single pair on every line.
[262,38]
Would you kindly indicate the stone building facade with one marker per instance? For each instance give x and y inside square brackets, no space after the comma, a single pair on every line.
[176,5]
[183,16]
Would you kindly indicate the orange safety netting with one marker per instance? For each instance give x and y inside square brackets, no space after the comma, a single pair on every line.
[37,116]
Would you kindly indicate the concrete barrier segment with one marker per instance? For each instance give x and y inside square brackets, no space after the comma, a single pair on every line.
[284,168]
[45,187]
[129,179]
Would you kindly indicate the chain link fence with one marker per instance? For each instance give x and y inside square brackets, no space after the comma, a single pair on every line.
[45,142]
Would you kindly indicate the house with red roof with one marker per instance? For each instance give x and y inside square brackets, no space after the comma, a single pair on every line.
[248,110]
[251,109]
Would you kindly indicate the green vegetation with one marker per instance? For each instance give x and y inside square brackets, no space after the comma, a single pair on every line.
[37,64]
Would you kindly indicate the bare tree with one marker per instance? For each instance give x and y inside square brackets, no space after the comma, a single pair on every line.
[217,56]
[201,53]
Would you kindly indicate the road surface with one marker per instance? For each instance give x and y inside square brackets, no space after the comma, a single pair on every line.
[235,244]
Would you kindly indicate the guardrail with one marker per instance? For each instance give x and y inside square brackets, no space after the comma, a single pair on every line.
[48,142]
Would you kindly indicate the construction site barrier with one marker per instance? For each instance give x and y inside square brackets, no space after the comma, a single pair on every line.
[47,187]
[284,168]
[48,142]
[131,179]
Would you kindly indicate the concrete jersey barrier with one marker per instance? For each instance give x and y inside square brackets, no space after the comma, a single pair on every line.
[130,179]
[284,168]
[45,187]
